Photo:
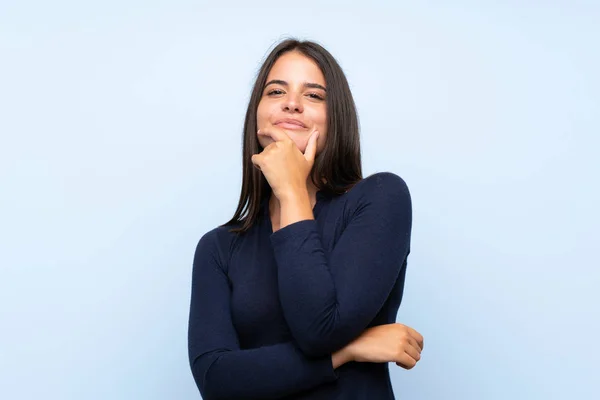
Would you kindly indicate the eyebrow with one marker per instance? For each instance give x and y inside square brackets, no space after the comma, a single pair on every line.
[306,84]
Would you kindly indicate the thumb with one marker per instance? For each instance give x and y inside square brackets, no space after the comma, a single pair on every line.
[311,147]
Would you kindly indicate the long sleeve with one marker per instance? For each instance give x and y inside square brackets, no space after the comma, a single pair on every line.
[329,301]
[220,368]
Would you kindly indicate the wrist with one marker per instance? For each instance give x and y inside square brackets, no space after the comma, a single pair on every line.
[295,206]
[341,357]
[292,194]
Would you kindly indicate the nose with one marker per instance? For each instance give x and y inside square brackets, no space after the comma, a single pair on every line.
[292,104]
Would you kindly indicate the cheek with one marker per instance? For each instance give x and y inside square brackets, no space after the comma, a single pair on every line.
[321,143]
[260,115]
[322,126]
[264,112]
[319,118]
[262,118]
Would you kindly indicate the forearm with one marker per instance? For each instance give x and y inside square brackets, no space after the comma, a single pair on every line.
[342,289]
[267,372]
[295,206]
[221,369]
[317,323]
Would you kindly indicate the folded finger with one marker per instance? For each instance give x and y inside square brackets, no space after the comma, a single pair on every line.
[413,350]
[416,335]
[406,361]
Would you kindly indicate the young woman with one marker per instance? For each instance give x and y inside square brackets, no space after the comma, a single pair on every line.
[296,296]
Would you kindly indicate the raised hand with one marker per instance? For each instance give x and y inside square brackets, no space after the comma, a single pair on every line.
[283,164]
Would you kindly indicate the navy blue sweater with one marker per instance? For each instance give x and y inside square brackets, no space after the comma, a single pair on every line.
[269,308]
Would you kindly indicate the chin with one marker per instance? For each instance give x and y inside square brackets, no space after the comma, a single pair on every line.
[300,146]
[265,142]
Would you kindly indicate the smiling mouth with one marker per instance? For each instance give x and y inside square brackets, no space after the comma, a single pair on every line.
[290,124]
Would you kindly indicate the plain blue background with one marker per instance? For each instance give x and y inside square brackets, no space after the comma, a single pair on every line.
[121,127]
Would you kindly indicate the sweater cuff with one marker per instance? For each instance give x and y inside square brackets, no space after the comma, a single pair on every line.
[296,231]
[327,370]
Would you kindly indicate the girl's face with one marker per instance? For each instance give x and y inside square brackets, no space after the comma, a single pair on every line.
[293,99]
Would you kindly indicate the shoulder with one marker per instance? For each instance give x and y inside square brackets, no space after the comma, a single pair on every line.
[381,188]
[380,196]
[379,201]
[383,196]
[216,245]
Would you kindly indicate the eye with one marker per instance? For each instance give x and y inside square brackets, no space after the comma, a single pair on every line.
[274,92]
[315,96]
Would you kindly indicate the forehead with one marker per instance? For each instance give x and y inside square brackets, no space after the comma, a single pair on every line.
[294,66]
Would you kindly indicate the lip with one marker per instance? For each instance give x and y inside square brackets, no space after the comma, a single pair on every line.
[290,123]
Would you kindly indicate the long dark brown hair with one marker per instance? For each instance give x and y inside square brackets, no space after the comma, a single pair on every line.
[337,167]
